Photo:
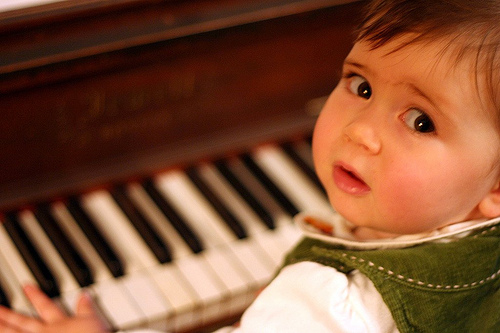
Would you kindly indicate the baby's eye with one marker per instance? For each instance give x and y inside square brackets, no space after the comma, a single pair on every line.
[419,121]
[359,86]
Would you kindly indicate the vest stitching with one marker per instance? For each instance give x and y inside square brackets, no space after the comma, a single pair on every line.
[420,283]
[484,232]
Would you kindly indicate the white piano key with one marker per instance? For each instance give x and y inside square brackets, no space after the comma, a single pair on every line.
[231,199]
[255,260]
[117,304]
[77,236]
[15,262]
[184,301]
[120,233]
[149,299]
[207,286]
[39,238]
[290,235]
[233,275]
[269,241]
[278,242]
[159,221]
[14,274]
[197,210]
[291,179]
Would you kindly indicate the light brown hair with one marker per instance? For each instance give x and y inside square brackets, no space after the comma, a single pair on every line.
[472,27]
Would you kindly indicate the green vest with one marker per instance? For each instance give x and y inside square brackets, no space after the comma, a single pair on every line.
[432,287]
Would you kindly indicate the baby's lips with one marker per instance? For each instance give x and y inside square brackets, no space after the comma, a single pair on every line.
[348,180]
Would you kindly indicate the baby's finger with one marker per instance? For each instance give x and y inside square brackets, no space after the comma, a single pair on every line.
[47,310]
[85,306]
[11,321]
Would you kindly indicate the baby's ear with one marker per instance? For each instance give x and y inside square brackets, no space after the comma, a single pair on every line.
[490,205]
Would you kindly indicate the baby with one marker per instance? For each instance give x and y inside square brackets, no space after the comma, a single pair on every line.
[408,150]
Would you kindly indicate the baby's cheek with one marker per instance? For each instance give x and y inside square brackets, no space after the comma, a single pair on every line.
[406,200]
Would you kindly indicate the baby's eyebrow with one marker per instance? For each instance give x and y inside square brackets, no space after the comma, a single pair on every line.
[416,90]
[355,64]
[408,84]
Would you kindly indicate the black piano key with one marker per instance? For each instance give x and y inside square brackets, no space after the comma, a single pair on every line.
[155,243]
[310,173]
[4,300]
[217,204]
[281,198]
[249,198]
[67,251]
[41,272]
[175,219]
[100,244]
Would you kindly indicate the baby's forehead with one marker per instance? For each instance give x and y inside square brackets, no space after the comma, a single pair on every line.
[479,58]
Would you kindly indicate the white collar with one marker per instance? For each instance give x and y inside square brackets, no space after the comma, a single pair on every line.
[342,232]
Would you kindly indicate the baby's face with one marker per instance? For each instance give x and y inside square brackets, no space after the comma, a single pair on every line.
[404,143]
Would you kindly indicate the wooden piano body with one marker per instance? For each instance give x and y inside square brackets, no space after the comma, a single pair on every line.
[95,93]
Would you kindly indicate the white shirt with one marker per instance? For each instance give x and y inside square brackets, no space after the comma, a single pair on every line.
[310,297]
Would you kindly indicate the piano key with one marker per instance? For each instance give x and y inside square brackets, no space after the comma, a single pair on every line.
[116,228]
[216,203]
[26,252]
[65,248]
[65,220]
[158,247]
[257,263]
[223,189]
[279,242]
[206,285]
[273,247]
[62,274]
[4,300]
[149,299]
[290,235]
[138,292]
[281,170]
[173,217]
[287,205]
[180,295]
[14,274]
[178,189]
[221,288]
[199,293]
[243,191]
[250,221]
[117,304]
[106,253]
[258,190]
[238,282]
[158,220]
[292,150]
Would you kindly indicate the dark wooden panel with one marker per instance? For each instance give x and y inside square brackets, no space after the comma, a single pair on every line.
[116,113]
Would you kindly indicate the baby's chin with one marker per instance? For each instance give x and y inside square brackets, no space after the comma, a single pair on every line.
[364,233]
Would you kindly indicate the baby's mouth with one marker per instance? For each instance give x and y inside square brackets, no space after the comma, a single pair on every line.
[348,181]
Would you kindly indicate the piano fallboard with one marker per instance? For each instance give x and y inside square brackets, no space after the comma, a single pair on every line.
[110,114]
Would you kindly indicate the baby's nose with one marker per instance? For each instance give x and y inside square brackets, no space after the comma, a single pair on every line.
[364,134]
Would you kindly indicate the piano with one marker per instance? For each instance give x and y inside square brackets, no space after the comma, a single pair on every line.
[154,152]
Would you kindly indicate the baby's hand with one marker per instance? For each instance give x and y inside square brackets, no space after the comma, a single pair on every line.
[52,318]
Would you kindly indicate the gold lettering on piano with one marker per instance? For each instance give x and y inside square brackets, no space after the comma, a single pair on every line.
[113,114]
